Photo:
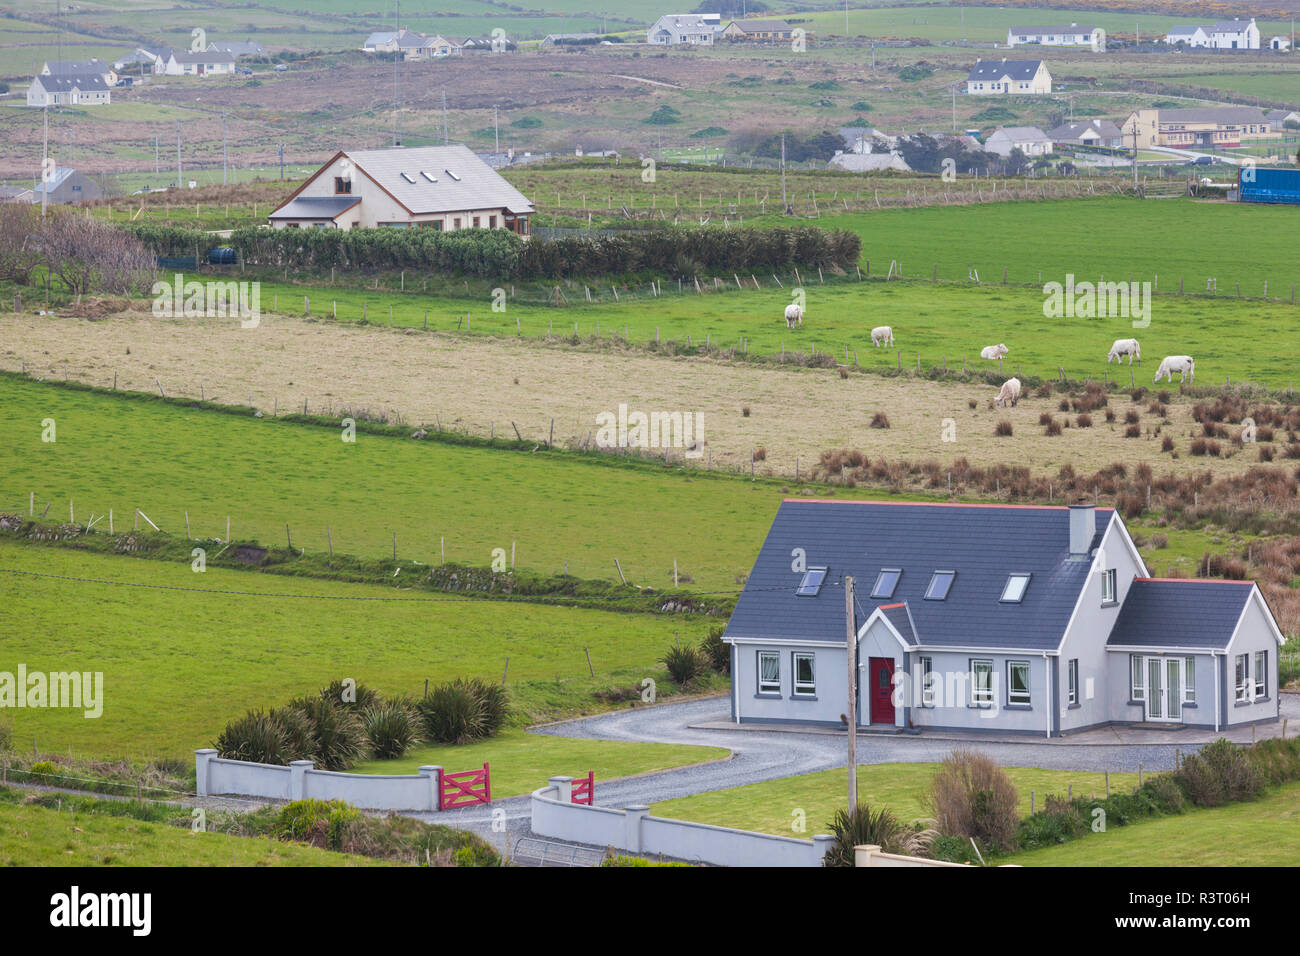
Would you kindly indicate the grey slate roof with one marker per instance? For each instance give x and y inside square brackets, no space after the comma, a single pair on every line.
[205,56]
[1230,26]
[996,69]
[1179,613]
[315,207]
[478,187]
[67,82]
[983,544]
[900,619]
[1104,128]
[76,67]
[1213,114]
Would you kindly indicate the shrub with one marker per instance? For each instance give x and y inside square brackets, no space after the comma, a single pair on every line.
[1058,821]
[391,729]
[1131,417]
[1220,773]
[1199,446]
[452,713]
[1133,431]
[1164,793]
[1276,760]
[1110,414]
[952,849]
[760,454]
[972,403]
[44,768]
[880,420]
[338,735]
[1003,428]
[715,651]
[362,696]
[1045,418]
[257,737]
[1084,420]
[299,732]
[1166,444]
[973,797]
[6,735]
[1053,428]
[684,664]
[879,827]
[494,700]
[1064,405]
[319,822]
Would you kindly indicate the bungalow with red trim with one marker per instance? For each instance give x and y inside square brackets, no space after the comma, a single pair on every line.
[435,187]
[990,618]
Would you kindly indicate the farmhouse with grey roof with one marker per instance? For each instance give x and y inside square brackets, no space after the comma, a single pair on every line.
[436,187]
[1006,77]
[990,618]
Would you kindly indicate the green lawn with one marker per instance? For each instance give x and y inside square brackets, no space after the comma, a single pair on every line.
[178,664]
[1259,833]
[35,836]
[770,807]
[522,762]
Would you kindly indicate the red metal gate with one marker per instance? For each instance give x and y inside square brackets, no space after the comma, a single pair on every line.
[584,790]
[465,789]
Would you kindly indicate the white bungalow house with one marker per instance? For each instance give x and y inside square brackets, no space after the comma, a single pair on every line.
[1006,77]
[1192,37]
[1006,619]
[1092,133]
[201,63]
[435,187]
[868,162]
[85,89]
[1279,44]
[685,29]
[1030,140]
[1072,35]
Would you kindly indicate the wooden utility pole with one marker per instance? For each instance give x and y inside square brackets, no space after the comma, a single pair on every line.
[851,645]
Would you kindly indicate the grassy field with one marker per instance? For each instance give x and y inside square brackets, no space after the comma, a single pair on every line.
[182,653]
[769,807]
[1258,833]
[521,762]
[35,836]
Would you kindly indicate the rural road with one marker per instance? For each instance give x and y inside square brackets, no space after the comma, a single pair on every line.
[759,756]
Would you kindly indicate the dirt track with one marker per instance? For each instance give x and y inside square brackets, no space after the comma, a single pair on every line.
[474,383]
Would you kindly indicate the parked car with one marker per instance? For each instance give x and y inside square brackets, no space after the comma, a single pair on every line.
[244,70]
[280,67]
[126,81]
[1201,161]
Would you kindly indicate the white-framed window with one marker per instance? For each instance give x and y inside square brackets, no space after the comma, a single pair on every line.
[1137,689]
[805,680]
[769,672]
[1014,591]
[940,583]
[1072,679]
[925,673]
[1189,680]
[1243,677]
[1261,674]
[981,683]
[812,582]
[1018,682]
[886,581]
[1108,590]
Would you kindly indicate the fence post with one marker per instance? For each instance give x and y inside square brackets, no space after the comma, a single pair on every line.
[434,773]
[563,788]
[202,760]
[298,778]
[632,827]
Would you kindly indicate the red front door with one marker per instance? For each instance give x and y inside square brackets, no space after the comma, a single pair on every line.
[880,674]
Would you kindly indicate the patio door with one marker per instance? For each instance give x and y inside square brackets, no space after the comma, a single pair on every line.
[1164,695]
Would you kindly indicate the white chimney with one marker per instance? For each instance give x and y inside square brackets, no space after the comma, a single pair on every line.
[1083,527]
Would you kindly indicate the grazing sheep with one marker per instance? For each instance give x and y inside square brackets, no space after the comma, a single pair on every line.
[994,352]
[793,316]
[1176,363]
[1010,393]
[882,335]
[1124,347]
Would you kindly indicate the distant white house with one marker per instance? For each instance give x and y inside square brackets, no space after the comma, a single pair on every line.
[1007,77]
[1093,133]
[1234,34]
[1072,35]
[1030,140]
[237,48]
[204,63]
[445,188]
[685,29]
[80,68]
[86,89]
[1193,36]
[869,162]
[143,60]
[1277,119]
[1280,44]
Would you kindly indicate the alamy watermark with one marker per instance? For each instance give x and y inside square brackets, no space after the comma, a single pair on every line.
[635,429]
[1098,300]
[39,689]
[208,300]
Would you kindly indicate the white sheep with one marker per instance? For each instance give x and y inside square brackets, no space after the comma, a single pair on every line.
[994,352]
[793,315]
[1176,363]
[882,335]
[1124,347]
[1010,392]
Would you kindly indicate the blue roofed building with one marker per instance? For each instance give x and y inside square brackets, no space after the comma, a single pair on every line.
[990,618]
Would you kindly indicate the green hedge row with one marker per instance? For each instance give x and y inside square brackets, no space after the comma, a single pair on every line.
[498,254]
